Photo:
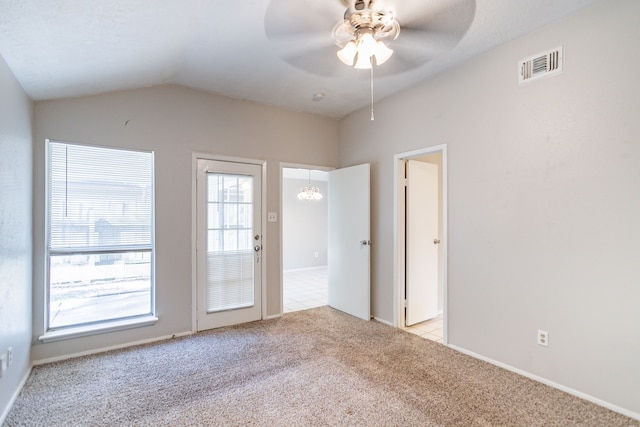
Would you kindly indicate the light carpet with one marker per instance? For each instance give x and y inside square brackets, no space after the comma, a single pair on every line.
[317,367]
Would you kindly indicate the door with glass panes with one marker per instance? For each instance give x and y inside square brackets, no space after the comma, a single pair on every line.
[229,243]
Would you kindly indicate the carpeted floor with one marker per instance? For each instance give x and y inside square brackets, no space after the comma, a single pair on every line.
[314,367]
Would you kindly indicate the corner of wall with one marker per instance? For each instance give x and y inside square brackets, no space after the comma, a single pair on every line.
[16,177]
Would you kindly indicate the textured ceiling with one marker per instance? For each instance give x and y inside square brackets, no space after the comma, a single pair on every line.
[65,48]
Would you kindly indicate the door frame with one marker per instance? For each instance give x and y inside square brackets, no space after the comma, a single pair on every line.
[280,206]
[399,226]
[195,156]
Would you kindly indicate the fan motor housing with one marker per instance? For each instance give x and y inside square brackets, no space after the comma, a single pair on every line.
[357,6]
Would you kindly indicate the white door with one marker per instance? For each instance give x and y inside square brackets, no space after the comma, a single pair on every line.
[349,241]
[229,243]
[422,242]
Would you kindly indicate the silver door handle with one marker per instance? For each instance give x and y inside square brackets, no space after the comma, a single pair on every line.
[257,248]
[436,241]
[365,242]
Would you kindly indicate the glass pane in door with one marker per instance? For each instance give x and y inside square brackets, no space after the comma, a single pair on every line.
[230,254]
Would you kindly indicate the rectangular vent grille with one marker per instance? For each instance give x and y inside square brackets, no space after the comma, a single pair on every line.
[540,65]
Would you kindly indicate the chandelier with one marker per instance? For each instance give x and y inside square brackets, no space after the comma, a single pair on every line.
[309,192]
[361,33]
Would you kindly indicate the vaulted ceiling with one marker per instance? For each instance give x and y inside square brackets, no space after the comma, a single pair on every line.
[67,48]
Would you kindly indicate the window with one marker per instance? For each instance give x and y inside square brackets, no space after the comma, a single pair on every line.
[230,253]
[100,250]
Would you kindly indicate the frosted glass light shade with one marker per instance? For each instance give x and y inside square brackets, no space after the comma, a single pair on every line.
[363,62]
[366,45]
[382,53]
[362,50]
[348,53]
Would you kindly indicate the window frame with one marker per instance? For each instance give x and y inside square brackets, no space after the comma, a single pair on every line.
[114,323]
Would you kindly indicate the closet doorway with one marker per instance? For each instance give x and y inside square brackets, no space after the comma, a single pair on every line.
[420,250]
[304,237]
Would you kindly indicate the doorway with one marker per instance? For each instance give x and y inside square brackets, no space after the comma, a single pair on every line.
[347,234]
[420,246]
[304,238]
[229,243]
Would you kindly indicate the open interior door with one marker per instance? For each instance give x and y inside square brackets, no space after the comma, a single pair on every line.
[349,244]
[421,242]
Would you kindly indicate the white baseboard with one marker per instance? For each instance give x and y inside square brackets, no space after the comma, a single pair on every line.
[377,319]
[550,383]
[6,410]
[114,347]
[273,316]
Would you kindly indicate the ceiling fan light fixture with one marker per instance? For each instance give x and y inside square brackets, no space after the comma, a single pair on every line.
[362,50]
[360,35]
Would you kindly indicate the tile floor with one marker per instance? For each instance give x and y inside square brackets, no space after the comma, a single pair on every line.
[303,289]
[431,329]
[307,288]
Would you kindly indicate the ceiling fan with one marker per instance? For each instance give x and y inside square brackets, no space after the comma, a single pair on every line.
[393,36]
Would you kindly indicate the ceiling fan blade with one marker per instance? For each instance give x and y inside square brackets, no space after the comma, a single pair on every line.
[398,64]
[429,30]
[322,62]
[424,42]
[287,18]
[284,46]
[446,16]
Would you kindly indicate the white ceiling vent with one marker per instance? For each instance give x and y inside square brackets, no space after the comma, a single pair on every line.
[540,65]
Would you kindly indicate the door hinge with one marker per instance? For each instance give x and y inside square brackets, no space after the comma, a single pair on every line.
[405,304]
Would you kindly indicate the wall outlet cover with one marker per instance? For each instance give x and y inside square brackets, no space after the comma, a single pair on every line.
[543,338]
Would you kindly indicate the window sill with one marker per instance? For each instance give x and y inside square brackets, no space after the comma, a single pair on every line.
[83,331]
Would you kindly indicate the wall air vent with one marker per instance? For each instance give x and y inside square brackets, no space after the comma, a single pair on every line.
[540,65]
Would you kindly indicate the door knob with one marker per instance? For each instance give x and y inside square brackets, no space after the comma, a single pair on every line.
[256,248]
[365,242]
[436,241]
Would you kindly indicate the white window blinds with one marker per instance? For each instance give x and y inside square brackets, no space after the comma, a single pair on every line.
[230,253]
[99,199]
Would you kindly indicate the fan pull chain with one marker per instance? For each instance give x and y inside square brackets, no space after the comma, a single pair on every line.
[372,118]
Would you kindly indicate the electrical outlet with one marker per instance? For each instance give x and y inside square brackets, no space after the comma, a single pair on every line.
[543,338]
[9,356]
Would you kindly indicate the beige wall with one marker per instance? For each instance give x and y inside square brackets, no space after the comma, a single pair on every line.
[543,199]
[175,122]
[16,170]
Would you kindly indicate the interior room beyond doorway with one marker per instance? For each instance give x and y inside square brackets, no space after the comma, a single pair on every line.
[304,238]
